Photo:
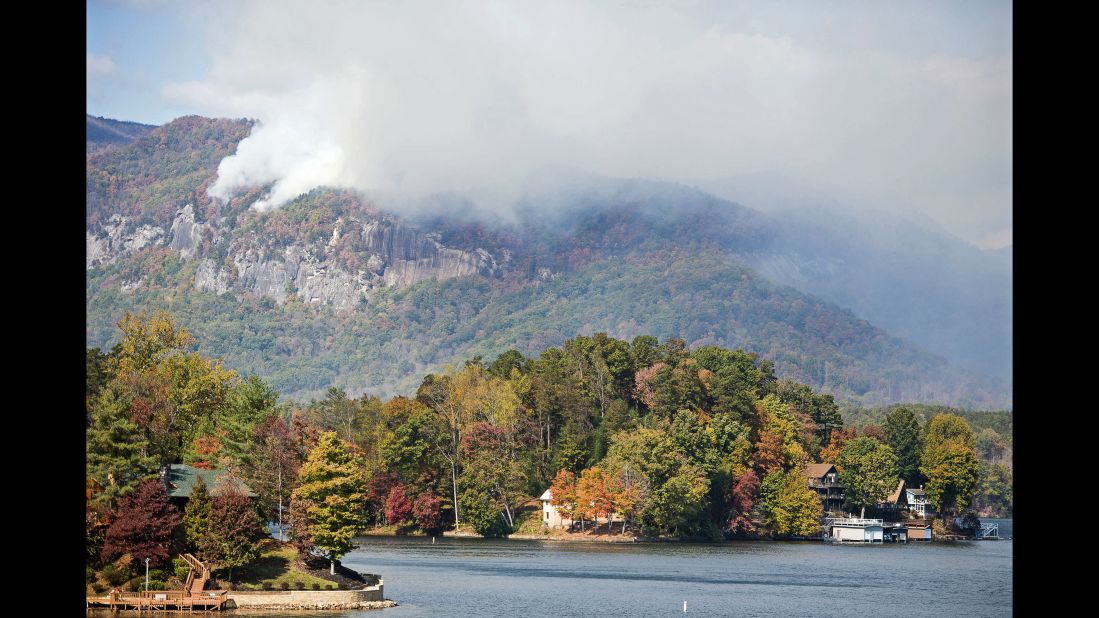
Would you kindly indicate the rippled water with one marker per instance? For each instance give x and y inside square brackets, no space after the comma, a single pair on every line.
[480,577]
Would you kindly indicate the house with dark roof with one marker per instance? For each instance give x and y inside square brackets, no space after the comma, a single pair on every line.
[917,502]
[824,479]
[182,478]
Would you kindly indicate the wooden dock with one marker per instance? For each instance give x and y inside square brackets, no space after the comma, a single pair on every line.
[164,600]
[192,597]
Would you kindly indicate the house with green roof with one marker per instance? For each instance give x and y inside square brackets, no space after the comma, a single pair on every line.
[182,478]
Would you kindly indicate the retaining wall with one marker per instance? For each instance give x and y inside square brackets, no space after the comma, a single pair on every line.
[251,598]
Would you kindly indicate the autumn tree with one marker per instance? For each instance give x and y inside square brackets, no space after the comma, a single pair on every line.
[594,494]
[272,471]
[171,392]
[869,472]
[428,512]
[741,501]
[398,508]
[629,493]
[332,495]
[143,525]
[459,400]
[795,509]
[235,529]
[563,495]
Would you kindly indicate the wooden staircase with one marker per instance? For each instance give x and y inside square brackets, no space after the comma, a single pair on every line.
[194,585]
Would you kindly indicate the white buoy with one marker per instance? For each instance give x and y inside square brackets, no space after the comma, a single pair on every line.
[432,540]
[684,607]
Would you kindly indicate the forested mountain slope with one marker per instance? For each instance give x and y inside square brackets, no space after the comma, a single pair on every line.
[332,290]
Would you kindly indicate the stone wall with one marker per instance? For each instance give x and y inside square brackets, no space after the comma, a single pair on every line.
[301,598]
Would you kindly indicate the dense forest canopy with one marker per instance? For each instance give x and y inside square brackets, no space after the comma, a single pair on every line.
[670,440]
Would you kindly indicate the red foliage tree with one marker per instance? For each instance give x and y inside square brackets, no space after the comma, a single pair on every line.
[428,511]
[143,525]
[377,492]
[741,500]
[398,508]
[235,529]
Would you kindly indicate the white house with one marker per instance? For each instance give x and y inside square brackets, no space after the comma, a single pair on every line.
[917,501]
[550,517]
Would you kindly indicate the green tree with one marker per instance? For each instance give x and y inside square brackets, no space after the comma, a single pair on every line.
[118,454]
[949,462]
[196,516]
[951,469]
[902,434]
[869,472]
[332,496]
[994,489]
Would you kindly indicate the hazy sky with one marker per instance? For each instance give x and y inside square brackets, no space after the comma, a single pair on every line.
[899,106]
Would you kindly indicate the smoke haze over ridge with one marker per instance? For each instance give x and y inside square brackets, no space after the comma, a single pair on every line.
[905,107]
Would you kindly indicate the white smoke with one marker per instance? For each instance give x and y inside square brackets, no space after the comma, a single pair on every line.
[421,97]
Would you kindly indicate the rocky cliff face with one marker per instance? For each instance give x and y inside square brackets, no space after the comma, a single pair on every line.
[395,254]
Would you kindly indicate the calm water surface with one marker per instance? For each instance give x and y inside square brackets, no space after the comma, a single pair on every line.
[480,577]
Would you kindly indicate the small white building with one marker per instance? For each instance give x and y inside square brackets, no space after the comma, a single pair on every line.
[855,530]
[550,517]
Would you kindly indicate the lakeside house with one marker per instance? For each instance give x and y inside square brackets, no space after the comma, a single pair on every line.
[550,517]
[182,478]
[897,502]
[917,502]
[824,479]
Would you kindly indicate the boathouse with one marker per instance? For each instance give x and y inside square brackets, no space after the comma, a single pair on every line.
[856,530]
[919,530]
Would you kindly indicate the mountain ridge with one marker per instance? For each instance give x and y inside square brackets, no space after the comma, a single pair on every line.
[331,260]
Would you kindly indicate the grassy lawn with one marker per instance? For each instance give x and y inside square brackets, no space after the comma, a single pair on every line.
[277,564]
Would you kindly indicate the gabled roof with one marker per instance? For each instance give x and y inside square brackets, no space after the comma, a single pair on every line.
[181,479]
[817,471]
[546,495]
[897,493]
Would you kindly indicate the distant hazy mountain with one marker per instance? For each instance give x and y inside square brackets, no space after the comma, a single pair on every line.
[331,290]
[104,132]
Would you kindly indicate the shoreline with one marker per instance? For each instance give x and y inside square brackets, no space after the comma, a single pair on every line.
[584,538]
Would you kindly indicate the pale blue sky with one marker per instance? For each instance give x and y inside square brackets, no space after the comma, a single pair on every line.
[148,44]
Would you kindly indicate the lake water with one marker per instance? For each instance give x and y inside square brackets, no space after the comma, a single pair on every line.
[481,577]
